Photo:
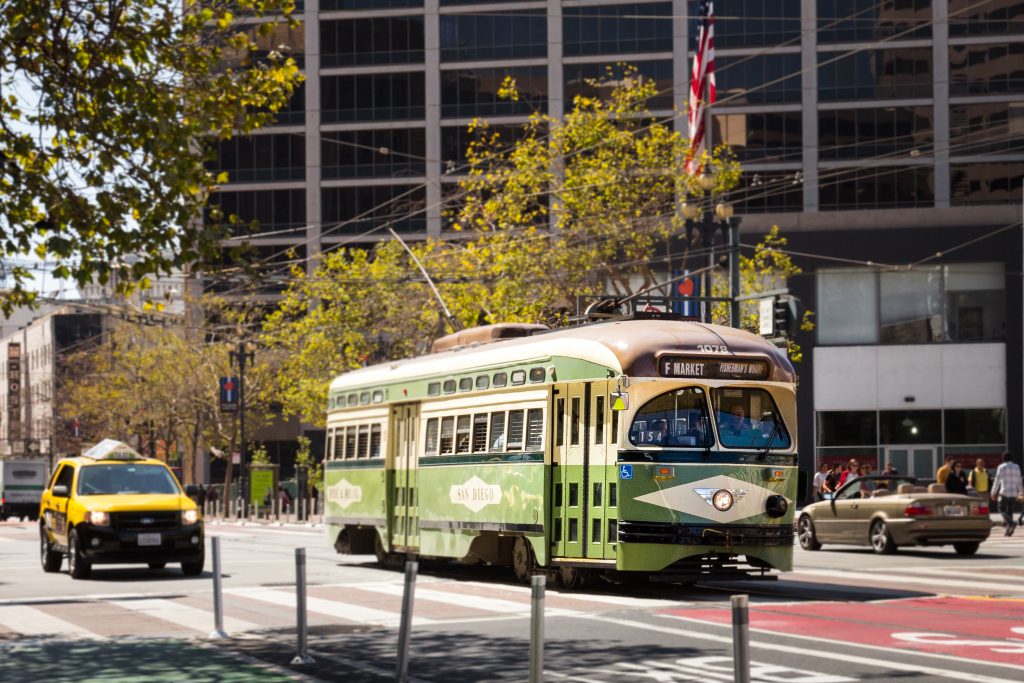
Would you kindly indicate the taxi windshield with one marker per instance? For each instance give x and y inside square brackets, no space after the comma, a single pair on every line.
[748,418]
[97,480]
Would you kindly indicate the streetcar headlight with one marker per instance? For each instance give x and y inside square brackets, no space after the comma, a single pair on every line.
[776,506]
[722,500]
[97,518]
[190,516]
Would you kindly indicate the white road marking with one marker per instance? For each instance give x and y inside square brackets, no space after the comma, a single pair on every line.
[30,621]
[464,600]
[1012,584]
[333,608]
[585,597]
[183,615]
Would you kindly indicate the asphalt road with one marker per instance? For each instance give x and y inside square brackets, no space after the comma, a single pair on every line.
[845,614]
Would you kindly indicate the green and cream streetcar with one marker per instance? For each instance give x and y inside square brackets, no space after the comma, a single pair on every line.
[636,447]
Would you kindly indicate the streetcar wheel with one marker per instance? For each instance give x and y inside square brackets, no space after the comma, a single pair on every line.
[966,548]
[51,559]
[78,566]
[881,540]
[572,578]
[805,532]
[523,561]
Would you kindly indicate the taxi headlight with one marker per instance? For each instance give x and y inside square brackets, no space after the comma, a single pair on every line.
[190,516]
[722,500]
[97,518]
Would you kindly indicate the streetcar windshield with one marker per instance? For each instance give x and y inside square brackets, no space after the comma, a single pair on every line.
[97,480]
[748,418]
[678,418]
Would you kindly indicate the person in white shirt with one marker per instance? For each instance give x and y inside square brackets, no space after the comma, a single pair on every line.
[1007,486]
[819,479]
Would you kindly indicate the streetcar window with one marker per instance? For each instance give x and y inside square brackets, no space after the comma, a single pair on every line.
[595,535]
[535,429]
[483,381]
[519,377]
[462,428]
[536,374]
[378,396]
[615,426]
[449,386]
[447,434]
[434,389]
[560,422]
[613,530]
[339,443]
[748,418]
[612,495]
[500,379]
[431,446]
[597,494]
[375,441]
[574,422]
[338,402]
[599,420]
[466,384]
[515,430]
[350,443]
[480,433]
[364,398]
[364,441]
[353,399]
[574,531]
[497,432]
[677,418]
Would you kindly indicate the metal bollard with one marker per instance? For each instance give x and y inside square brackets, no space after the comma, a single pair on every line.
[404,630]
[300,609]
[741,639]
[218,596]
[537,584]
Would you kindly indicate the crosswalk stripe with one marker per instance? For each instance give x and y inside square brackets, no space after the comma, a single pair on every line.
[625,601]
[1013,583]
[30,621]
[333,608]
[183,615]
[465,600]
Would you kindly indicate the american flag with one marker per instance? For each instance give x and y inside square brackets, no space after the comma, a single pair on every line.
[702,85]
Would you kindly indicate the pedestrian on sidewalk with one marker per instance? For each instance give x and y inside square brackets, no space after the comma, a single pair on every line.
[943,472]
[956,482]
[1006,488]
[978,479]
[819,481]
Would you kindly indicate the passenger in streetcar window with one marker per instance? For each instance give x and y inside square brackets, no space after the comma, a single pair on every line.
[736,421]
[956,482]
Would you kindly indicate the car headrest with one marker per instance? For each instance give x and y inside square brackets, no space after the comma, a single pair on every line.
[881,492]
[936,488]
[905,488]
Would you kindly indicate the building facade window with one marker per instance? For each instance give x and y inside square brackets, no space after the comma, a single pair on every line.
[986,127]
[865,133]
[617,29]
[328,5]
[875,75]
[986,69]
[455,141]
[989,183]
[995,17]
[372,97]
[474,92]
[846,21]
[260,158]
[755,136]
[877,188]
[758,79]
[769,192]
[355,210]
[596,80]
[754,23]
[394,153]
[962,302]
[494,35]
[379,40]
[293,113]
[260,212]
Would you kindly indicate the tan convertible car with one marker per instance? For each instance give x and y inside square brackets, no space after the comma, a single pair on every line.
[887,512]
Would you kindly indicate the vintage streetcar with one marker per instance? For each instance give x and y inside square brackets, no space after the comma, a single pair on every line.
[656,449]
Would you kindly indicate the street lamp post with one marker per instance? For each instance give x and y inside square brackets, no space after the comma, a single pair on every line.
[242,356]
[709,216]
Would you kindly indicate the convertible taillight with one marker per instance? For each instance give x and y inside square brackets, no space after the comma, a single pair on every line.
[979,509]
[917,510]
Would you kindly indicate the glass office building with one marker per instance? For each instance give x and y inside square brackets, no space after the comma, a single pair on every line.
[877,134]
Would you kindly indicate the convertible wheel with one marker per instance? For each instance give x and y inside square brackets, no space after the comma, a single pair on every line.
[78,566]
[805,532]
[881,540]
[966,548]
[51,559]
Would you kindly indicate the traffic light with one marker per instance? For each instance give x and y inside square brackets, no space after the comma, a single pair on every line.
[786,316]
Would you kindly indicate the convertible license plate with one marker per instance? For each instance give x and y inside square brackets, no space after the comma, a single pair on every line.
[149,539]
[954,511]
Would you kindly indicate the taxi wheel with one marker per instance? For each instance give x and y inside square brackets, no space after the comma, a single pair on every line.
[966,548]
[78,566]
[51,559]
[805,532]
[194,568]
[881,540]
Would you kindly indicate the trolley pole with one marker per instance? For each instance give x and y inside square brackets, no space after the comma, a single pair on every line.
[740,639]
[218,595]
[404,631]
[537,628]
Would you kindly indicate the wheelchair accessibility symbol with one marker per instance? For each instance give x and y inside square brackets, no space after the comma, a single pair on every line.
[625,471]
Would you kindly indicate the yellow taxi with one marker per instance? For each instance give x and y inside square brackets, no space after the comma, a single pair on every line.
[112,505]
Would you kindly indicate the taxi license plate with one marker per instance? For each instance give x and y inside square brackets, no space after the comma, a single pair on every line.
[954,511]
[149,539]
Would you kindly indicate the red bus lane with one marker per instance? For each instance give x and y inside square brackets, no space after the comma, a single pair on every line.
[988,630]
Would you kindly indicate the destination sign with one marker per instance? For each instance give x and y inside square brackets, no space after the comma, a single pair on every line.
[712,368]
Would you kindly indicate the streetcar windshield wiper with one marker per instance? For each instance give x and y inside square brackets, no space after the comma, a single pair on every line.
[771,437]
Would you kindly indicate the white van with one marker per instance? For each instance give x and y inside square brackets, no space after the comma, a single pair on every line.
[21,486]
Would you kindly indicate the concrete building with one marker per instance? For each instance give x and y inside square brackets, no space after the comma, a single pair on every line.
[885,138]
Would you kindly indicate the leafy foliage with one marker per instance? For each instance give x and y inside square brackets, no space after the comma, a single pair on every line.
[103,110]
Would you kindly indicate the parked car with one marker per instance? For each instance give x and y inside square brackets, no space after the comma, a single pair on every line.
[886,512]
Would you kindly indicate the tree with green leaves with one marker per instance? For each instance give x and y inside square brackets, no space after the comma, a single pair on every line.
[106,110]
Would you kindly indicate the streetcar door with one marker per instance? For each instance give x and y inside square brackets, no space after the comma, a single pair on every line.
[404,518]
[602,473]
[569,518]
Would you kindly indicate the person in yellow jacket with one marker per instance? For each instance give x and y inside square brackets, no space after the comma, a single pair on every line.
[978,479]
[943,472]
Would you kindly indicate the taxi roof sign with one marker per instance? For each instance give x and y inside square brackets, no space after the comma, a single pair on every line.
[112,449]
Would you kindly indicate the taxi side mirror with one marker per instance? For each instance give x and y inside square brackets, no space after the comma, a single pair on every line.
[60,491]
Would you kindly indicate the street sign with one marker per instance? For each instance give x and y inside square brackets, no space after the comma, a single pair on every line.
[765,312]
[229,394]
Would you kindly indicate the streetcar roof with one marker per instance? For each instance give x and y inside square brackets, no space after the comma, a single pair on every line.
[629,347]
